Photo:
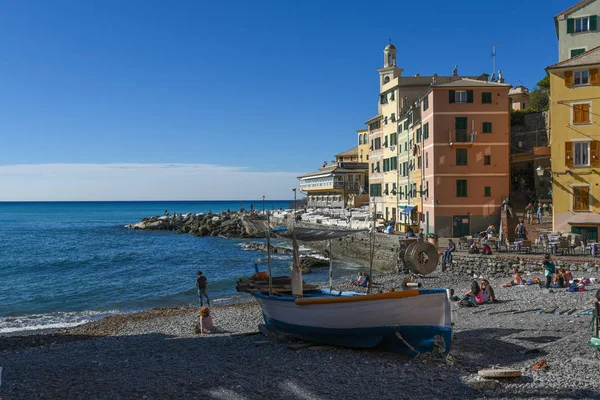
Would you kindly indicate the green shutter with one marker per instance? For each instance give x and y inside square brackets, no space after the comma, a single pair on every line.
[570,25]
[461,156]
[469,96]
[461,123]
[461,188]
[426,131]
[487,127]
[487,191]
[452,97]
[593,23]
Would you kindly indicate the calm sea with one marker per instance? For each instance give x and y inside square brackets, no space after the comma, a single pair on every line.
[66,263]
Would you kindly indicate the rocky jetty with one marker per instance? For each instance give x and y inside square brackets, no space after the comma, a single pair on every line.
[238,225]
[308,261]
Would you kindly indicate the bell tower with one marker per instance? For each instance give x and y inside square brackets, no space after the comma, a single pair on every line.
[390,70]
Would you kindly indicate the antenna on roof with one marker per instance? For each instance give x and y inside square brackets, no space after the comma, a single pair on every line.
[494,47]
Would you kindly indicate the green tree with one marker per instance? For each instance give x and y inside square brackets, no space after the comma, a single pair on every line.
[544,84]
[539,99]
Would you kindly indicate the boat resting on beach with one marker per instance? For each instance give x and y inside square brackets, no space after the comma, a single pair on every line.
[409,321]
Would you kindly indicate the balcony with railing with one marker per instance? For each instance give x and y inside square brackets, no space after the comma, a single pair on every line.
[462,137]
[347,186]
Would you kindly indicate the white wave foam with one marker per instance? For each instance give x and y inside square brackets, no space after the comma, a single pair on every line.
[56,320]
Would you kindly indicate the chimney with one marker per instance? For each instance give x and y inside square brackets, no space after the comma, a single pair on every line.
[417,75]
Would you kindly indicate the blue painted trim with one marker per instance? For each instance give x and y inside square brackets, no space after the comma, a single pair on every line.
[432,291]
[419,337]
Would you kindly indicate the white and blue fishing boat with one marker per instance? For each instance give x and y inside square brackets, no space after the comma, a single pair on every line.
[410,321]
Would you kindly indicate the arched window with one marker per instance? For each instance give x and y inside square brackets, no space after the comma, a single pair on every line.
[365,138]
[386,79]
[360,139]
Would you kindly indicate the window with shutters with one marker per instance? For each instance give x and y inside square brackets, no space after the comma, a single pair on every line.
[419,162]
[419,135]
[425,103]
[581,24]
[576,52]
[426,131]
[581,198]
[581,113]
[426,160]
[461,188]
[487,160]
[461,157]
[487,127]
[487,191]
[460,96]
[486,98]
[581,77]
[581,152]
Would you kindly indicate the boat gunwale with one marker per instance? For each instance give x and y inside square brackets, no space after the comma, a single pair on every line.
[349,297]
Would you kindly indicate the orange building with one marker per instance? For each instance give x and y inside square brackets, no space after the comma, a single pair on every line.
[466,142]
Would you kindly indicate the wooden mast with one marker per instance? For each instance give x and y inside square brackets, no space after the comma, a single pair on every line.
[269,255]
[330,268]
[297,289]
[371,251]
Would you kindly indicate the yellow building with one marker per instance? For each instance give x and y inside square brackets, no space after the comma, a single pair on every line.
[417,156]
[363,145]
[574,142]
[408,176]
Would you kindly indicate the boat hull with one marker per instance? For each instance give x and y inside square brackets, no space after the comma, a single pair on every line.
[415,324]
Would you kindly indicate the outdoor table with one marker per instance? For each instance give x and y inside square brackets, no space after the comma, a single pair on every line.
[553,246]
[518,244]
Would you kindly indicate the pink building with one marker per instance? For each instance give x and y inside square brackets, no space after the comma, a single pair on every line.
[466,141]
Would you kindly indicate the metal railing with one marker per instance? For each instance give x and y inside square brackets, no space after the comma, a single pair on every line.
[461,136]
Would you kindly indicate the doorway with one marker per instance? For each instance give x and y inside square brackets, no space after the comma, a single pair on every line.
[460,226]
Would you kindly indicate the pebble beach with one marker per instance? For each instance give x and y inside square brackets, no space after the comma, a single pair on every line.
[155,355]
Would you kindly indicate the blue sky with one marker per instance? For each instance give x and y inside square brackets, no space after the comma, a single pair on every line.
[268,86]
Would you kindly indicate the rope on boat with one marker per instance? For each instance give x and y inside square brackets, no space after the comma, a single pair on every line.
[406,343]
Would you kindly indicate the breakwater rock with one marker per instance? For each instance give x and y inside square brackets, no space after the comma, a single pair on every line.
[239,225]
[257,246]
[308,261]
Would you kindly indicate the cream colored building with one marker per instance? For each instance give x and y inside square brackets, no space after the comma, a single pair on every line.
[519,98]
[363,145]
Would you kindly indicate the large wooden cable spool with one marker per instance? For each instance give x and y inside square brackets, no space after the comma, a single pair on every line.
[421,257]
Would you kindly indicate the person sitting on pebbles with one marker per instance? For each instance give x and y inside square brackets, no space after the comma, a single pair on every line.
[360,280]
[517,280]
[473,249]
[475,295]
[206,324]
[488,292]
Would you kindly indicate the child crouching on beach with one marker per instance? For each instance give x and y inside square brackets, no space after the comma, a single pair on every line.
[206,324]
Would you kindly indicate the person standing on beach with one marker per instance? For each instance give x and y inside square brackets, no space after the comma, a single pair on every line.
[549,269]
[201,285]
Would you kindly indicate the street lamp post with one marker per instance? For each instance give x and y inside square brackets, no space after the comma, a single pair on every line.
[294,190]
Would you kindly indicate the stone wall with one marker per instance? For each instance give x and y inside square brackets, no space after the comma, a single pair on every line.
[534,133]
[501,265]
